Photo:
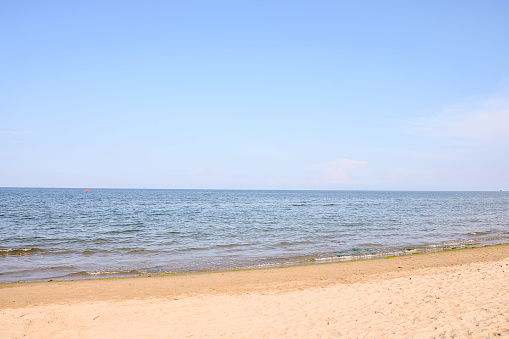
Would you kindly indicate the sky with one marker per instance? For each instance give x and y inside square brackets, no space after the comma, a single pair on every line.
[332,95]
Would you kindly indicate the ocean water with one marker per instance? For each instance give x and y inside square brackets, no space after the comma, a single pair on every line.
[69,234]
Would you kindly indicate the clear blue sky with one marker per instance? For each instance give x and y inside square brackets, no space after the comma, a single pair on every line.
[255,95]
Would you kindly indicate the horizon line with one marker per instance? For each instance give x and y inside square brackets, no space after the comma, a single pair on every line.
[255,189]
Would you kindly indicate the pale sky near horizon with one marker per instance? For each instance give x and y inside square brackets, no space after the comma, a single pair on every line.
[396,95]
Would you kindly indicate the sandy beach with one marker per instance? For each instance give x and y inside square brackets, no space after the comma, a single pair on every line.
[462,294]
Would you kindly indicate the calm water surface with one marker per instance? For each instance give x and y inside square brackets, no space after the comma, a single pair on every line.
[70,234]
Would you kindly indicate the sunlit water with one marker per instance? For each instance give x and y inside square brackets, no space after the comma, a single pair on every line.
[70,234]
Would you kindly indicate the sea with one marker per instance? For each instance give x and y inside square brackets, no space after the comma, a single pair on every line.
[69,234]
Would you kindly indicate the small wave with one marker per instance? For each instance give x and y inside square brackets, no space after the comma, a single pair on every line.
[286,243]
[58,252]
[19,251]
[298,204]
[123,231]
[479,233]
[194,249]
[113,272]
[233,245]
[99,273]
[91,252]
[138,251]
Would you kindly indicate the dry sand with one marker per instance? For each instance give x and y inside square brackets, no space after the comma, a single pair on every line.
[449,294]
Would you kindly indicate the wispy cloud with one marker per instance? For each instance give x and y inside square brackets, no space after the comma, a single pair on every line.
[15,132]
[340,171]
[457,148]
[487,121]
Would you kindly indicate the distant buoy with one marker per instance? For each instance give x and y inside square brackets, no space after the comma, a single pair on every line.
[86,190]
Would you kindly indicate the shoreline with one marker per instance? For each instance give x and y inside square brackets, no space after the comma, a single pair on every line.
[21,294]
[389,253]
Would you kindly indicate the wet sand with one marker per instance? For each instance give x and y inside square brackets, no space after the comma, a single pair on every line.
[461,293]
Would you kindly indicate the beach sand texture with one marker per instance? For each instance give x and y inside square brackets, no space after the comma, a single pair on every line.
[458,294]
